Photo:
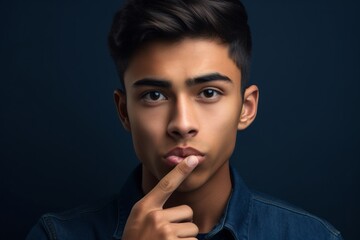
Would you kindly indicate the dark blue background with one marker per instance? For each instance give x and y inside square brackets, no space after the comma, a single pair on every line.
[62,144]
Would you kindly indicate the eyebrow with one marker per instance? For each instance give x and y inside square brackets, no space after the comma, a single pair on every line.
[208,78]
[153,82]
[163,83]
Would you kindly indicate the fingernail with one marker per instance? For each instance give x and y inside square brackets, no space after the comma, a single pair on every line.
[192,161]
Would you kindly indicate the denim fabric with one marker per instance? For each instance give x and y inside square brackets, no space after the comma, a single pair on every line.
[248,215]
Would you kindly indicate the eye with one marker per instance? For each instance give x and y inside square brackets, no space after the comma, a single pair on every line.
[153,96]
[210,94]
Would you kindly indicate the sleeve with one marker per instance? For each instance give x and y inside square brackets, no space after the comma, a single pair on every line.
[339,237]
[39,232]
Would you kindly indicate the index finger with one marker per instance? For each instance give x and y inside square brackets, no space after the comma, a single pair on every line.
[168,184]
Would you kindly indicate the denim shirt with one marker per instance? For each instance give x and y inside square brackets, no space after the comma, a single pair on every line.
[248,215]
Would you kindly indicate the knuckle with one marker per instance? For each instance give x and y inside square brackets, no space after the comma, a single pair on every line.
[183,169]
[136,210]
[139,207]
[196,229]
[189,209]
[155,217]
[163,229]
[166,185]
[166,231]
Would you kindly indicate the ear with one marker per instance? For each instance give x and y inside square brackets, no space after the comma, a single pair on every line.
[249,107]
[120,102]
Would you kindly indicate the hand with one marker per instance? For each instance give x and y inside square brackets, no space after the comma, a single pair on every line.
[149,221]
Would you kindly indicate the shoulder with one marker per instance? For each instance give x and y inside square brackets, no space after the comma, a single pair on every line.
[95,221]
[104,219]
[280,219]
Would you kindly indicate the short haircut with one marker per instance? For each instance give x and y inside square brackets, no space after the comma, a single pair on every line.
[141,21]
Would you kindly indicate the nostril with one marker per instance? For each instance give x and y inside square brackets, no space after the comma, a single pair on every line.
[192,132]
[176,133]
[183,134]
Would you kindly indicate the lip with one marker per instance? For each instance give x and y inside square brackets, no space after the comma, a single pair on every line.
[178,154]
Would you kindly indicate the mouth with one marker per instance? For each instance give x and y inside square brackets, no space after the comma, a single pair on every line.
[177,155]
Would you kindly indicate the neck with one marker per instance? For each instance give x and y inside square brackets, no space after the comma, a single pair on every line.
[208,201]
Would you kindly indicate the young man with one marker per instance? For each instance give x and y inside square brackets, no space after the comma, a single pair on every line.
[184,66]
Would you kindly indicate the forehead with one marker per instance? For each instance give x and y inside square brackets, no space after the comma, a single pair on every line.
[181,60]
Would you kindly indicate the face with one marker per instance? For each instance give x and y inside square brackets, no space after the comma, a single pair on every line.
[183,98]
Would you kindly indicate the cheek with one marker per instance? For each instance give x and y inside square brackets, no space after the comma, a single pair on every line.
[147,128]
[221,118]
[220,126]
[225,135]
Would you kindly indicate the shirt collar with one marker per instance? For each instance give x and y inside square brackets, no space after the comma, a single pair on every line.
[237,212]
[235,218]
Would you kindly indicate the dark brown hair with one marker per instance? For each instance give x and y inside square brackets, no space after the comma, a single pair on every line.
[141,21]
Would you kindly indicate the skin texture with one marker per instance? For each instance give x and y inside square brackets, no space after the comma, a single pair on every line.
[176,111]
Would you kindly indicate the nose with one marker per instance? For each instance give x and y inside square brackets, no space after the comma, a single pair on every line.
[183,122]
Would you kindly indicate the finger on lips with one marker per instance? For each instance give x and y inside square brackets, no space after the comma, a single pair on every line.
[168,184]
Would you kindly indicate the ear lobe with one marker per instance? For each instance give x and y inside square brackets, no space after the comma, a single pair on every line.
[249,107]
[121,107]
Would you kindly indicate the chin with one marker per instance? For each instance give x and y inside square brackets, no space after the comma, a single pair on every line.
[190,184]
